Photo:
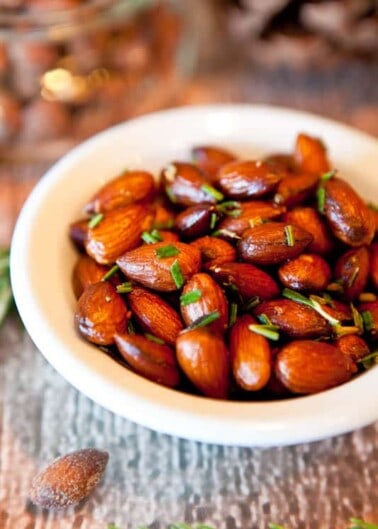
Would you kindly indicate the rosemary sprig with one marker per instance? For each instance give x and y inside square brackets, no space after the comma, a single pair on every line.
[205,320]
[266,330]
[176,274]
[289,235]
[151,237]
[320,195]
[360,524]
[328,175]
[190,297]
[369,360]
[154,338]
[124,288]
[110,273]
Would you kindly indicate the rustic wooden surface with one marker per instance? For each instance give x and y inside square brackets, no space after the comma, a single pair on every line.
[156,479]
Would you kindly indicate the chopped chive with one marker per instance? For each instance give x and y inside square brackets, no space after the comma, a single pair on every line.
[268,331]
[95,220]
[328,300]
[328,175]
[367,297]
[166,251]
[225,233]
[176,274]
[110,273]
[233,314]
[296,296]
[367,359]
[154,338]
[368,320]
[320,195]
[205,320]
[124,288]
[353,277]
[130,327]
[231,286]
[340,330]
[152,237]
[317,306]
[289,234]
[311,302]
[252,303]
[210,190]
[190,297]
[170,194]
[264,319]
[213,220]
[357,318]
[164,225]
[230,208]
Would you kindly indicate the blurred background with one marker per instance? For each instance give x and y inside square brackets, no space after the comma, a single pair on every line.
[70,68]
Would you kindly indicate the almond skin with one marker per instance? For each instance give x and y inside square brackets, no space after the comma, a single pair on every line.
[307,272]
[214,251]
[184,183]
[119,231]
[249,280]
[294,319]
[69,479]
[311,221]
[212,299]
[78,232]
[210,159]
[352,271]
[282,161]
[144,266]
[85,273]
[248,179]
[250,355]
[296,188]
[195,221]
[149,359]
[154,314]
[204,359]
[307,366]
[128,188]
[101,313]
[249,212]
[267,244]
[372,310]
[348,216]
[352,346]
[310,155]
[373,268]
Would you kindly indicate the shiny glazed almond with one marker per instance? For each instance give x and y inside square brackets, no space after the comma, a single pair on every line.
[352,346]
[250,355]
[128,188]
[307,366]
[311,221]
[352,271]
[86,272]
[296,188]
[100,314]
[268,243]
[154,314]
[204,359]
[144,266]
[348,216]
[214,251]
[195,221]
[250,212]
[373,267]
[307,272]
[210,159]
[78,232]
[119,231]
[149,359]
[310,155]
[247,179]
[211,299]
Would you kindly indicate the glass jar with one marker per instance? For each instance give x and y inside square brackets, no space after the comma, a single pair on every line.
[70,68]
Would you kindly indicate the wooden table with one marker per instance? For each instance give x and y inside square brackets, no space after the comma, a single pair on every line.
[155,479]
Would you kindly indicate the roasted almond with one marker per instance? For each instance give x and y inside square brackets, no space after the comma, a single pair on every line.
[348,216]
[373,266]
[101,313]
[117,232]
[296,188]
[250,213]
[154,314]
[307,366]
[196,221]
[311,221]
[247,279]
[69,479]
[128,188]
[352,346]
[369,312]
[294,319]
[282,161]
[204,359]
[307,272]
[161,266]
[86,272]
[78,232]
[164,218]
[248,179]
[250,355]
[273,242]
[352,272]
[185,184]
[149,359]
[201,296]
[310,155]
[210,159]
[214,251]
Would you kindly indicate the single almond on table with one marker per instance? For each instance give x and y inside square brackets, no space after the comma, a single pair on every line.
[69,479]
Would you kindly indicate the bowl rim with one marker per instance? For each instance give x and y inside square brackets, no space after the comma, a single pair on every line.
[274,423]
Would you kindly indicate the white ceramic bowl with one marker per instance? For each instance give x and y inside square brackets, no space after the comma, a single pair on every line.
[42,259]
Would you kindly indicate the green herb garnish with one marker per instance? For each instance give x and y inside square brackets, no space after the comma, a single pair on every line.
[328,175]
[309,302]
[353,277]
[110,273]
[268,331]
[205,320]
[190,297]
[151,237]
[289,234]
[124,288]
[368,320]
[357,318]
[95,220]
[213,220]
[252,303]
[170,194]
[225,233]
[166,251]
[176,274]
[154,338]
[320,195]
[210,190]
[233,314]
[360,524]
[369,360]
[164,225]
[230,208]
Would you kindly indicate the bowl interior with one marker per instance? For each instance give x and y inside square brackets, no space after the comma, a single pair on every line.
[42,259]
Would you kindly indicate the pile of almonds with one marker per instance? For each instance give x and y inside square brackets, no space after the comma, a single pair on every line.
[240,279]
